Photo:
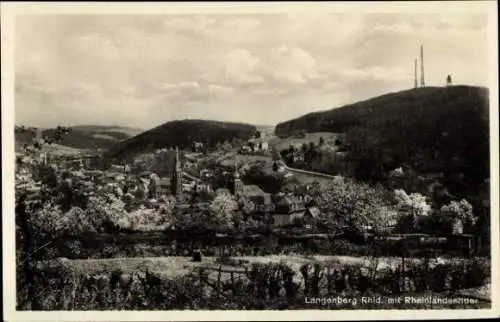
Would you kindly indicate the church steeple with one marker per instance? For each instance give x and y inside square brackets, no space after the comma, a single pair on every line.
[177,162]
[238,184]
[177,175]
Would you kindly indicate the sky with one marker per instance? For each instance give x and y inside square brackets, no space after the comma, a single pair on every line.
[143,70]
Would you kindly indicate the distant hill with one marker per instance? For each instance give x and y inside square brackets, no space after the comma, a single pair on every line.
[182,133]
[81,137]
[432,130]
[112,130]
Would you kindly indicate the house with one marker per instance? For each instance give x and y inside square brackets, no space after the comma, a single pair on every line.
[192,157]
[246,149]
[306,218]
[298,156]
[118,168]
[198,146]
[203,187]
[206,174]
[286,209]
[221,191]
[457,227]
[392,219]
[189,186]
[255,194]
[257,145]
[260,198]
[163,187]
[264,146]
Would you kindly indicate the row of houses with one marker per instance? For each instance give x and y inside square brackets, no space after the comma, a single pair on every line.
[255,146]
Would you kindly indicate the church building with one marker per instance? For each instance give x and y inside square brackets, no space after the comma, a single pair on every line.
[163,186]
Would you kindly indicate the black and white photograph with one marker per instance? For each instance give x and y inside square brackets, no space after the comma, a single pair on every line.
[278,157]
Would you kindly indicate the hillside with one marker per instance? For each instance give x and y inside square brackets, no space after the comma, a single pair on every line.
[433,100]
[182,133]
[81,137]
[431,130]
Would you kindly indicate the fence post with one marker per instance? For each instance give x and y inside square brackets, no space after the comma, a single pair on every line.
[232,283]
[218,281]
[200,275]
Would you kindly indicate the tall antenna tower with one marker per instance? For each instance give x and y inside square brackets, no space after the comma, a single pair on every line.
[422,75]
[415,72]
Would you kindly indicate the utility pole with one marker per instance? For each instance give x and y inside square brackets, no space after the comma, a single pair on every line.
[422,75]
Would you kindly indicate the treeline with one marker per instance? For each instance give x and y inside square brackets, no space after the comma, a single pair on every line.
[182,134]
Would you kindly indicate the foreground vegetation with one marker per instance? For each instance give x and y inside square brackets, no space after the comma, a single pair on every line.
[261,286]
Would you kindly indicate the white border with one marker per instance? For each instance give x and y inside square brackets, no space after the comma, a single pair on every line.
[9,10]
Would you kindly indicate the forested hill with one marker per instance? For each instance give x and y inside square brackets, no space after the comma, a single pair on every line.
[429,102]
[182,133]
[431,129]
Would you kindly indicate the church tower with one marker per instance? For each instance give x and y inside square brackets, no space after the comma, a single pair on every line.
[177,175]
[238,184]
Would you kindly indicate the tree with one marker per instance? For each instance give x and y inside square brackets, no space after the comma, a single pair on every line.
[459,210]
[246,206]
[227,145]
[223,208]
[413,207]
[346,204]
